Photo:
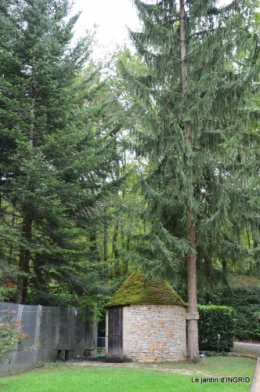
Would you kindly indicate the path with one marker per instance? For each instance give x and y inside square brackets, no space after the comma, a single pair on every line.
[141,366]
[254,348]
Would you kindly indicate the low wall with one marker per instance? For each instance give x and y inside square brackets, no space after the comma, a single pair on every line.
[48,328]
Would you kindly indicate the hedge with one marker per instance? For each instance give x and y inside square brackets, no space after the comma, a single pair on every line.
[246,302]
[216,327]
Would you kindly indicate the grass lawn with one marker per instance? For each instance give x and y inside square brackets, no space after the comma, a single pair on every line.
[69,378]
[218,366]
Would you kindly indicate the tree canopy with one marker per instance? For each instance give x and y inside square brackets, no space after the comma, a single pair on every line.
[58,152]
[153,162]
[193,102]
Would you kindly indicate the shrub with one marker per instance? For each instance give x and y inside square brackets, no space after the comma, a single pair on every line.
[246,302]
[216,327]
[11,335]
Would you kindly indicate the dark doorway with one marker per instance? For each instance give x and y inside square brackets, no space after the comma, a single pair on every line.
[115,335]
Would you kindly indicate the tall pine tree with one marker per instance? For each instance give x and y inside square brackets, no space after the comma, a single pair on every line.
[193,103]
[57,150]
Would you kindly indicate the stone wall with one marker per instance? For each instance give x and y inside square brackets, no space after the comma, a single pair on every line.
[154,333]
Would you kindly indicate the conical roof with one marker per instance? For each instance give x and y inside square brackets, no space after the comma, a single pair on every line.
[138,291]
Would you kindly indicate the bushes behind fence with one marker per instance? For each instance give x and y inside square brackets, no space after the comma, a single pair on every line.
[216,327]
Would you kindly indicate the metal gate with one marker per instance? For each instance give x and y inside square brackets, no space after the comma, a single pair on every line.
[115,335]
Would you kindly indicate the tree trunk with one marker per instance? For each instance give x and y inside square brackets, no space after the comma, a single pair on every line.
[94,248]
[116,228]
[192,316]
[105,241]
[114,247]
[105,248]
[22,281]
[12,225]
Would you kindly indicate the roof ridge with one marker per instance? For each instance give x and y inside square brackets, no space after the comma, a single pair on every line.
[136,290]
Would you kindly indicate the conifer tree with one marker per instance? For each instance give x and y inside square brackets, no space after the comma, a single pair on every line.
[193,103]
[56,150]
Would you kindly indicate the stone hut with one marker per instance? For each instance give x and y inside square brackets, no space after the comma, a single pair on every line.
[145,322]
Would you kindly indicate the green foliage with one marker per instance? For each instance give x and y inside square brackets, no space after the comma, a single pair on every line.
[11,335]
[246,302]
[58,157]
[209,176]
[216,327]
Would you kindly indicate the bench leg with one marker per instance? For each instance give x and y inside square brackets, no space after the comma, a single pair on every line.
[58,356]
[67,355]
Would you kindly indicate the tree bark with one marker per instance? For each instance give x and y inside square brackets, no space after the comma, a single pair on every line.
[22,281]
[105,241]
[114,247]
[193,335]
[105,248]
[12,225]
[192,317]
[116,227]
[94,248]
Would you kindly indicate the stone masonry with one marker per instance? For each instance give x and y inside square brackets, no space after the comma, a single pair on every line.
[154,333]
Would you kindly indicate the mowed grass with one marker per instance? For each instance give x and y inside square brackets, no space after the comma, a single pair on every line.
[69,378]
[218,366]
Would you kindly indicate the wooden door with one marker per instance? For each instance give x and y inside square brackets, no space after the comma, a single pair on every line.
[115,335]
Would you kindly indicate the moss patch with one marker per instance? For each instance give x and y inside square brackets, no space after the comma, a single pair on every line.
[137,291]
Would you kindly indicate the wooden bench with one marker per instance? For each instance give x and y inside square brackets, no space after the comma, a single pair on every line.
[66,351]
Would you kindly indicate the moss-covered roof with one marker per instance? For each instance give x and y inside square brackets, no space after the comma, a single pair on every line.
[137,291]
